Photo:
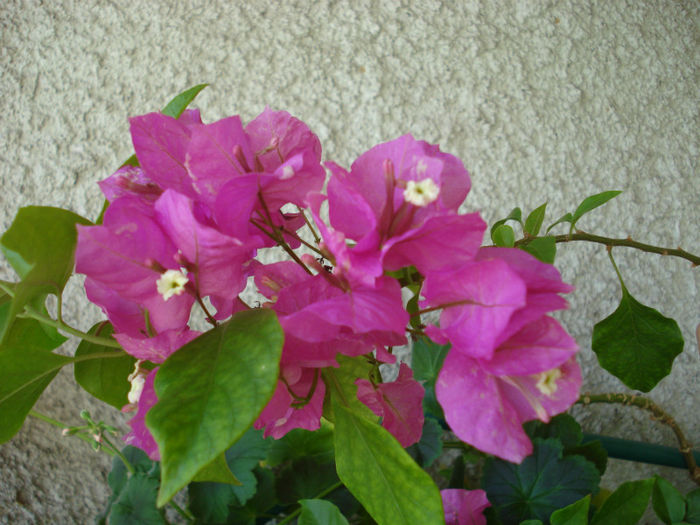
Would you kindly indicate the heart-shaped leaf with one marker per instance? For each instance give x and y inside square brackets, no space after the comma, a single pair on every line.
[210,391]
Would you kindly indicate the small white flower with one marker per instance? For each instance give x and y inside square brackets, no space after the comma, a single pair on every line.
[421,193]
[136,388]
[547,381]
[172,282]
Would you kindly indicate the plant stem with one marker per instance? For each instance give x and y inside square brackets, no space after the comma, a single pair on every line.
[610,242]
[118,452]
[60,425]
[320,495]
[658,414]
[103,341]
[317,238]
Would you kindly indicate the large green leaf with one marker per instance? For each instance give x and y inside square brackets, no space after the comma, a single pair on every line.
[429,448]
[544,482]
[637,344]
[301,443]
[40,246]
[626,505]
[136,503]
[27,332]
[210,392]
[380,474]
[426,362]
[242,458]
[343,380]
[217,471]
[209,502]
[668,502]
[104,378]
[320,512]
[574,514]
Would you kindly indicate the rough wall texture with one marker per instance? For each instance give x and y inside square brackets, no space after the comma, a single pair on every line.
[543,100]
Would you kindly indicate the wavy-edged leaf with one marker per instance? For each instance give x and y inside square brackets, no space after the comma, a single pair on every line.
[380,474]
[637,344]
[320,512]
[105,378]
[137,503]
[626,505]
[210,392]
[534,220]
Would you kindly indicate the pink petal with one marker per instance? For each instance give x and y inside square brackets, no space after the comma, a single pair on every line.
[140,436]
[130,180]
[464,507]
[156,349]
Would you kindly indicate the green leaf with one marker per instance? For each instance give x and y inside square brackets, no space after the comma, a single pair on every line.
[209,502]
[426,359]
[543,248]
[692,500]
[626,505]
[637,344]
[593,451]
[27,332]
[320,512]
[562,427]
[137,503]
[40,246]
[503,235]
[591,203]
[24,374]
[300,443]
[534,221]
[217,471]
[210,391]
[567,217]
[574,514]
[304,478]
[668,502]
[544,482]
[429,448]
[343,378]
[105,378]
[380,474]
[242,458]
[178,105]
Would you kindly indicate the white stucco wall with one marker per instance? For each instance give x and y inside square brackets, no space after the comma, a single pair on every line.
[543,100]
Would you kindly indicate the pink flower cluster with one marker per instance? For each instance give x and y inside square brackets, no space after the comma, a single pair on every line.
[182,231]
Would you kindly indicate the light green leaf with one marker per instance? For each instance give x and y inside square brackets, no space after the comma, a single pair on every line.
[543,248]
[380,474]
[343,378]
[626,505]
[637,344]
[574,514]
[534,221]
[178,105]
[27,332]
[567,217]
[217,471]
[320,512]
[210,391]
[591,203]
[668,502]
[503,235]
[104,378]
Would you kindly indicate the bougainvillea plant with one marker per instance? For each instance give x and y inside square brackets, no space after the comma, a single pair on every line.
[293,405]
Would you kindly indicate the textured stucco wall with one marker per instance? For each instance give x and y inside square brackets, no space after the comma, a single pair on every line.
[543,100]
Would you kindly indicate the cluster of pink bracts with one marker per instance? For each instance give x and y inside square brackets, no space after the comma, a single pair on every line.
[187,223]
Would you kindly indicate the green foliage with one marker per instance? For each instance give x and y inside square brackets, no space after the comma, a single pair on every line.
[504,236]
[343,379]
[534,220]
[588,204]
[692,499]
[40,246]
[300,443]
[104,378]
[380,474]
[626,505]
[543,248]
[637,344]
[304,478]
[574,514]
[210,391]
[242,458]
[178,105]
[544,482]
[429,448]
[426,362]
[217,471]
[320,512]
[668,502]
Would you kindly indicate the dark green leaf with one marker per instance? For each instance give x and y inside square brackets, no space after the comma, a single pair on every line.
[304,478]
[562,427]
[242,458]
[209,502]
[320,512]
[301,443]
[626,505]
[426,359]
[210,391]
[692,499]
[40,246]
[24,374]
[217,471]
[380,474]
[178,105]
[668,502]
[574,514]
[531,522]
[503,236]
[429,448]
[544,248]
[593,451]
[534,221]
[591,203]
[637,344]
[105,378]
[137,503]
[544,482]
[567,217]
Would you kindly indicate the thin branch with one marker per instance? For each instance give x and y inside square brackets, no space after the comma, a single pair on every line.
[103,341]
[316,236]
[658,414]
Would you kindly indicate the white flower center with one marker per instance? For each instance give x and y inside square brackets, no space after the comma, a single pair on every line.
[172,282]
[547,381]
[421,193]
